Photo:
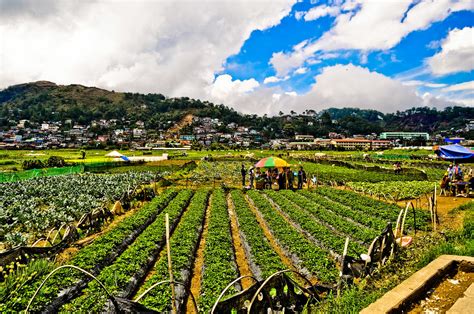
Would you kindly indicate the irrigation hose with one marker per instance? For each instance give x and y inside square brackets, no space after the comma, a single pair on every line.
[76,268]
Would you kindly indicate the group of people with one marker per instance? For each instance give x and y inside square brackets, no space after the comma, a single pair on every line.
[264,179]
[455,181]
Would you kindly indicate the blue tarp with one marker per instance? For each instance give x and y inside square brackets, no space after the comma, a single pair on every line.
[456,151]
[453,140]
[125,158]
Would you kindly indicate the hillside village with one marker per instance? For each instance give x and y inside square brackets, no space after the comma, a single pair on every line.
[201,133]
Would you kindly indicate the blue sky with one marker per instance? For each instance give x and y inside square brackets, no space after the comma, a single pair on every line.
[257,56]
[403,59]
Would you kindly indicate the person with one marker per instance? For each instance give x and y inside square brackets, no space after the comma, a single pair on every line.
[243,172]
[291,178]
[83,153]
[444,185]
[251,176]
[281,180]
[450,172]
[301,177]
[457,172]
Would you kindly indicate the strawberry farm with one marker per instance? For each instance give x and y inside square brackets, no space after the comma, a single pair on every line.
[197,242]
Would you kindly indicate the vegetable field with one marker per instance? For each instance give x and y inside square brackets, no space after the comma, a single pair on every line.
[31,207]
[303,231]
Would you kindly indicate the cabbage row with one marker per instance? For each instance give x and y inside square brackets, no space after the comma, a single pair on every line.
[219,263]
[92,258]
[320,232]
[183,243]
[262,254]
[29,208]
[122,277]
[312,257]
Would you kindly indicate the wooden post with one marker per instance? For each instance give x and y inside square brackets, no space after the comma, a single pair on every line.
[170,270]
[341,272]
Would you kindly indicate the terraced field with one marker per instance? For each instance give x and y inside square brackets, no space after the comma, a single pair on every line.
[216,236]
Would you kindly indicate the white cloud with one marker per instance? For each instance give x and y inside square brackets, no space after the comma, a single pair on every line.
[274,79]
[369,25]
[466,86]
[301,70]
[321,11]
[171,47]
[224,87]
[423,83]
[336,86]
[457,53]
[271,79]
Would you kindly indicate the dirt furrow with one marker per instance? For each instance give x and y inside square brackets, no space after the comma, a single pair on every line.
[241,258]
[196,278]
[284,256]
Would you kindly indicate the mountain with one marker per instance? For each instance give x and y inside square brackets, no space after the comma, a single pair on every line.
[46,101]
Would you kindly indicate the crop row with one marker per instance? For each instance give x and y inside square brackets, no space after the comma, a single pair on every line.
[373,207]
[306,221]
[219,263]
[123,275]
[346,210]
[183,246]
[92,258]
[312,257]
[262,254]
[29,208]
[395,190]
[321,213]
[342,175]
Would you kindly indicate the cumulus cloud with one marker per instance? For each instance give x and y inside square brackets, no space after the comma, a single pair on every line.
[224,87]
[457,53]
[171,47]
[336,86]
[368,25]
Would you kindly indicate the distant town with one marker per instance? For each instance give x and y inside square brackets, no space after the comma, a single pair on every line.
[198,133]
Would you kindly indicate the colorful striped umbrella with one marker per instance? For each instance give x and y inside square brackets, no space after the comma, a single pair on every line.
[271,162]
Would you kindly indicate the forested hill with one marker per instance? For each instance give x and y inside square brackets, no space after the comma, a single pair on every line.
[46,101]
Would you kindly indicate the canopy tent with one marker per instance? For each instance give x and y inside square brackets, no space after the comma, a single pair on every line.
[454,152]
[114,154]
[271,162]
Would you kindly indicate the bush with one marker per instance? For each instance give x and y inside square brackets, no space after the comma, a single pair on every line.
[55,161]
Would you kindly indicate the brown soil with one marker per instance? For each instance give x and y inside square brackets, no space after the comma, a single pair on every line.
[240,256]
[187,120]
[286,260]
[442,297]
[196,278]
[66,255]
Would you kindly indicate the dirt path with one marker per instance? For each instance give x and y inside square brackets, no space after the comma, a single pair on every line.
[196,278]
[243,264]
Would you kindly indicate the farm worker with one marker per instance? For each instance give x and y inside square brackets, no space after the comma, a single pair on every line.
[291,178]
[457,172]
[243,172]
[301,178]
[281,180]
[450,172]
[251,176]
